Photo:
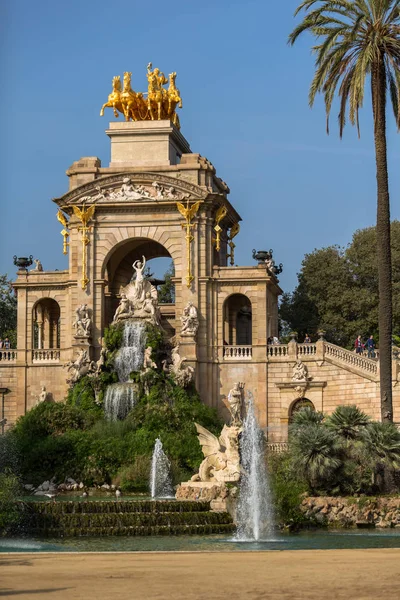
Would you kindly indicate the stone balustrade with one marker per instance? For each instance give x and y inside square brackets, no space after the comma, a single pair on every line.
[8,356]
[350,358]
[278,351]
[237,352]
[46,356]
[277,447]
[304,350]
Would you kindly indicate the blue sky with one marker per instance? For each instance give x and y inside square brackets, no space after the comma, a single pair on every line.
[245,108]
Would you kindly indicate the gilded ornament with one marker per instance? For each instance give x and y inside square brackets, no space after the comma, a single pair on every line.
[160,103]
[188,213]
[84,216]
[232,234]
[65,233]
[220,215]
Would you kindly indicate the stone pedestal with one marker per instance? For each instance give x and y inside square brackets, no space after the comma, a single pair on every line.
[82,343]
[188,348]
[222,497]
[146,144]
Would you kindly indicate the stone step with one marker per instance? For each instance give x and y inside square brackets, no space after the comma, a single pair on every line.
[205,529]
[89,520]
[117,506]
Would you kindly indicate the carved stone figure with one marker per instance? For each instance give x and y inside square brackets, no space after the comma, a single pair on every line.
[80,367]
[44,396]
[270,263]
[139,298]
[83,322]
[139,267]
[148,363]
[182,375]
[102,359]
[38,265]
[190,320]
[124,309]
[300,372]
[235,401]
[222,461]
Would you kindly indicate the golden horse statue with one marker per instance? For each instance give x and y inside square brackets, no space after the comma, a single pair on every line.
[174,100]
[160,103]
[133,104]
[155,93]
[114,99]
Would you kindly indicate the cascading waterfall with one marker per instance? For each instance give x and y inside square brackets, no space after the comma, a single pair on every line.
[121,397]
[255,514]
[160,474]
[130,356]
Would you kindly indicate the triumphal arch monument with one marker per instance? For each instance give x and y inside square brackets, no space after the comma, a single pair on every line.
[158,198]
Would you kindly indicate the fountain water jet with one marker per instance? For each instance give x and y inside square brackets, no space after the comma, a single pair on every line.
[255,514]
[160,477]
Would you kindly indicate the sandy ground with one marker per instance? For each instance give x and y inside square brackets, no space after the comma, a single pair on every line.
[304,574]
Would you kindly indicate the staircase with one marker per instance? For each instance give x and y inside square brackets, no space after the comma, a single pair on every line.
[90,518]
[361,365]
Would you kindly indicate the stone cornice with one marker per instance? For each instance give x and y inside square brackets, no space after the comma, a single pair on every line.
[303,384]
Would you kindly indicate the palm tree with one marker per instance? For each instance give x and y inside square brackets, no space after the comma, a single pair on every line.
[348,421]
[304,417]
[316,453]
[381,442]
[356,39]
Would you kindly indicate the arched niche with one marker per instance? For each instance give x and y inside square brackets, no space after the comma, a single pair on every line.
[46,324]
[238,321]
[298,405]
[118,268]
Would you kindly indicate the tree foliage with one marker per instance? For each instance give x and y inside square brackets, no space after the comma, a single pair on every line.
[166,292]
[8,311]
[338,291]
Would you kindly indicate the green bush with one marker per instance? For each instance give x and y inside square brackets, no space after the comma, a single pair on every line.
[287,488]
[113,337]
[75,440]
[10,510]
[134,477]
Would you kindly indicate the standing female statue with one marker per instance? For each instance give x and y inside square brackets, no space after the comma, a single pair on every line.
[139,267]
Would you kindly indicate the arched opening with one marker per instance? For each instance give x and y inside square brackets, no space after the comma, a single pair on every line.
[119,272]
[238,321]
[298,405]
[46,324]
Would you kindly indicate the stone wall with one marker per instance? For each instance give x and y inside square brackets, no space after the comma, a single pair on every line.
[353,512]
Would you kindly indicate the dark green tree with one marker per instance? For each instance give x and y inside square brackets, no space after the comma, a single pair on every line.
[338,290]
[8,311]
[166,292]
[357,39]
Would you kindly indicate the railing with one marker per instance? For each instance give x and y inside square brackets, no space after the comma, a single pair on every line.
[277,447]
[47,356]
[237,352]
[306,349]
[278,350]
[351,358]
[8,356]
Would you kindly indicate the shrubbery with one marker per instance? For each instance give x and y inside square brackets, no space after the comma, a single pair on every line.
[74,440]
[344,453]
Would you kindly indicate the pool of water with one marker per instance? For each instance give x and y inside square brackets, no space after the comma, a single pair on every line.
[306,540]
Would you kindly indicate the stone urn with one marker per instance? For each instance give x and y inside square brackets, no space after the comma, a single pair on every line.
[23,262]
[262,255]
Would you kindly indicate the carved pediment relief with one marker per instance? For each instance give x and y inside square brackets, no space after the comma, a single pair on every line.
[133,187]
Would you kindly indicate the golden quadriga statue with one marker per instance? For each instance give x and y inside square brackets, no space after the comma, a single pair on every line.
[159,104]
